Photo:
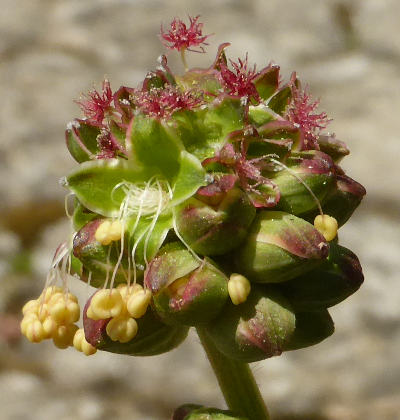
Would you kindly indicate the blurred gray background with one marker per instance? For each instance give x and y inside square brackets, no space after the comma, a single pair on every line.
[51,51]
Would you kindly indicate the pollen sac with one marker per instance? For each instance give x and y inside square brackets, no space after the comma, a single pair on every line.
[333,281]
[258,329]
[312,169]
[279,247]
[153,336]
[215,229]
[185,290]
[97,258]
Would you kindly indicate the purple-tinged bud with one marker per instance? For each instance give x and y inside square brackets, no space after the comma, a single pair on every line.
[205,413]
[185,290]
[153,336]
[312,169]
[311,328]
[333,147]
[333,281]
[97,259]
[342,201]
[81,139]
[184,410]
[257,329]
[215,230]
[279,247]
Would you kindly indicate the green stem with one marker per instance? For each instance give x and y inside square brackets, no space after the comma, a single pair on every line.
[236,381]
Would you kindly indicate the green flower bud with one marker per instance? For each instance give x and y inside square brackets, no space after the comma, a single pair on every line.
[185,290]
[316,170]
[217,229]
[342,201]
[97,259]
[184,410]
[153,337]
[209,414]
[279,247]
[335,280]
[257,329]
[333,147]
[311,328]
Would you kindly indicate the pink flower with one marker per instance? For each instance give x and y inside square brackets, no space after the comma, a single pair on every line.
[179,37]
[239,80]
[94,105]
[301,111]
[163,102]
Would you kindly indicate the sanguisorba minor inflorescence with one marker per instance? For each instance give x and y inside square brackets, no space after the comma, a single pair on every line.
[208,199]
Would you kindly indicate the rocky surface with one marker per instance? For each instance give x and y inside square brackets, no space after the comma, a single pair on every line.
[51,50]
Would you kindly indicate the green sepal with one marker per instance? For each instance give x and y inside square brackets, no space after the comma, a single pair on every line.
[155,145]
[203,81]
[82,216]
[203,131]
[279,246]
[151,243]
[186,291]
[316,170]
[255,330]
[259,115]
[267,81]
[311,328]
[191,176]
[333,281]
[94,184]
[279,102]
[85,133]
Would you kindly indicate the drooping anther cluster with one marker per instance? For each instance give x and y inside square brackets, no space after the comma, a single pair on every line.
[209,198]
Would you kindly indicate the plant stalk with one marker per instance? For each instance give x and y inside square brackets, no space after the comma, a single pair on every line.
[236,381]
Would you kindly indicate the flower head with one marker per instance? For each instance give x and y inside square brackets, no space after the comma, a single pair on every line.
[163,102]
[180,37]
[95,104]
[301,111]
[239,80]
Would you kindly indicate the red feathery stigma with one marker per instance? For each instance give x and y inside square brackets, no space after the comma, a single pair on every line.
[180,37]
[163,102]
[239,80]
[249,173]
[301,111]
[94,104]
[108,145]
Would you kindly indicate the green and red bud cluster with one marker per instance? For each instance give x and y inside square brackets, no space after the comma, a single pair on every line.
[211,174]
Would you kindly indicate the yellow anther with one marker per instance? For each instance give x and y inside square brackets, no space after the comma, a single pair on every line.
[43,312]
[65,312]
[115,230]
[327,226]
[48,293]
[238,288]
[108,231]
[49,327]
[35,332]
[31,306]
[106,304]
[28,319]
[102,234]
[63,336]
[138,303]
[80,343]
[178,286]
[127,291]
[122,329]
